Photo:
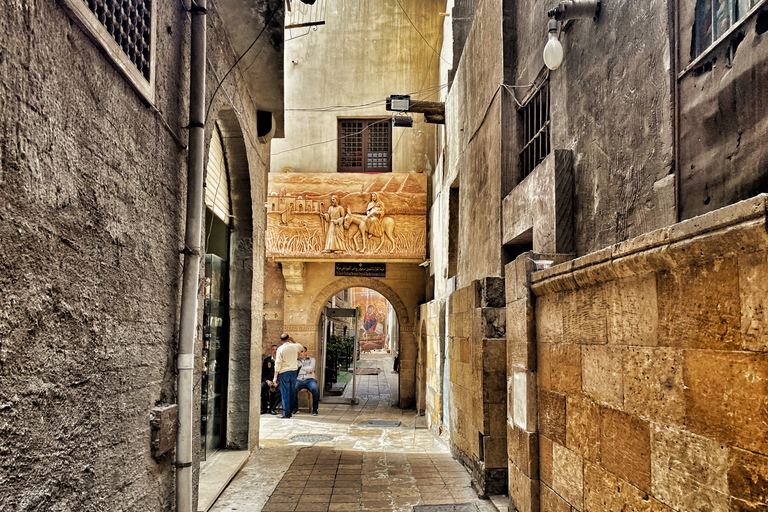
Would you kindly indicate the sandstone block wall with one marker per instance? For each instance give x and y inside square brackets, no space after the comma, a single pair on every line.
[652,373]
[432,319]
[477,367]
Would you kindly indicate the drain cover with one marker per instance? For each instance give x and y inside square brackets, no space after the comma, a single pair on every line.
[305,438]
[460,507]
[383,424]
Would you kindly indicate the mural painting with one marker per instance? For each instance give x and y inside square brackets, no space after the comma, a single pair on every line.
[346,216]
[372,319]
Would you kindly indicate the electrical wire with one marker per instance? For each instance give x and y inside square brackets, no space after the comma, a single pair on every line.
[432,90]
[422,35]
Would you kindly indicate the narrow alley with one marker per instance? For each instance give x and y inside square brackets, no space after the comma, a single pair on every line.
[369,456]
[520,248]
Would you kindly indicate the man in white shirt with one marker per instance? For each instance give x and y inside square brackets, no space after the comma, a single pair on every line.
[306,379]
[286,368]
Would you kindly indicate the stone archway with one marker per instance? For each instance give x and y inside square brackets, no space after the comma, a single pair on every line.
[407,339]
[360,282]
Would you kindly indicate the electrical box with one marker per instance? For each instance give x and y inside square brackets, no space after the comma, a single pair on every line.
[163,420]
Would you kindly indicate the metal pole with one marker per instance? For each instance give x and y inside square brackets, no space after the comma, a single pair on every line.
[192,256]
[354,364]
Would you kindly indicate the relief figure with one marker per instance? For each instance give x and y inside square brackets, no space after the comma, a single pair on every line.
[361,225]
[373,213]
[333,225]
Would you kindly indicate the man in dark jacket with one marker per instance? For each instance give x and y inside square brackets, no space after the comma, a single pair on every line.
[270,393]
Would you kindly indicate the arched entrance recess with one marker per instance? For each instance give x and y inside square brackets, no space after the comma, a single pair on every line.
[408,349]
[240,272]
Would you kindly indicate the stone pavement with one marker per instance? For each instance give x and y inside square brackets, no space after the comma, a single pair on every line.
[358,467]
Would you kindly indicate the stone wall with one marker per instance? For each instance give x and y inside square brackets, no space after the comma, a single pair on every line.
[651,363]
[477,399]
[92,193]
[621,131]
[432,320]
[723,117]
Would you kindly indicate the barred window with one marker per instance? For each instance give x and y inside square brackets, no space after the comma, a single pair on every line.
[365,145]
[534,130]
[124,31]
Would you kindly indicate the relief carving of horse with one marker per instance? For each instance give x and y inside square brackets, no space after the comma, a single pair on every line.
[355,226]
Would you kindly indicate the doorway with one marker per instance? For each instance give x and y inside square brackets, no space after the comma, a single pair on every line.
[359,347]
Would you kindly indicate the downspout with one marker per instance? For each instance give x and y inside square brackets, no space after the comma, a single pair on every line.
[192,256]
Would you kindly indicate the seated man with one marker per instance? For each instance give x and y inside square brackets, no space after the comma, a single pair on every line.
[306,379]
[270,393]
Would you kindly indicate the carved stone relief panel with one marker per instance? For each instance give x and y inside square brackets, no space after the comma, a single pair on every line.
[347,216]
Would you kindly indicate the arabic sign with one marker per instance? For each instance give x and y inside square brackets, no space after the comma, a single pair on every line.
[361,269]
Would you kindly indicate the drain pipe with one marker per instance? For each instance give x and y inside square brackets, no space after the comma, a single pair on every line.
[192,256]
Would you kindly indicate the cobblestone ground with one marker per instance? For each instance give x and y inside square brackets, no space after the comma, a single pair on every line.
[361,467]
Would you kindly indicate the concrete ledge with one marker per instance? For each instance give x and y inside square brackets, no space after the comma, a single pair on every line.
[738,228]
[215,475]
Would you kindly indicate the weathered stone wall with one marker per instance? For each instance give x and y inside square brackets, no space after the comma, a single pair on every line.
[473,152]
[477,399]
[432,321]
[610,105]
[723,119]
[92,192]
[651,367]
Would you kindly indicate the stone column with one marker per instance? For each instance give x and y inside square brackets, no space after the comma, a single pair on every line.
[522,406]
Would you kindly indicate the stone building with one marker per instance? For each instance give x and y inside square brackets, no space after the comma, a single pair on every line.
[94,145]
[576,256]
[636,365]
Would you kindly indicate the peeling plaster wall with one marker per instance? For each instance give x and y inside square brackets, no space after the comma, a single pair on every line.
[724,118]
[92,193]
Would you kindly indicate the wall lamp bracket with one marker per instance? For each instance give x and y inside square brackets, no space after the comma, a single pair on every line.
[575,9]
[564,11]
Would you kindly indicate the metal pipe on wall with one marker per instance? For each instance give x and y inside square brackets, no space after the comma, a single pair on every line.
[192,256]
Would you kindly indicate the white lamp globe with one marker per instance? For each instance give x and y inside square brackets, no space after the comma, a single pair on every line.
[553,52]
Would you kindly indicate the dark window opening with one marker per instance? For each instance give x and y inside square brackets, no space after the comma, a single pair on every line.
[365,145]
[453,232]
[534,123]
[713,18]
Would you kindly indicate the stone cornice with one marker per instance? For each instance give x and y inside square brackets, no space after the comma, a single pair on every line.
[738,228]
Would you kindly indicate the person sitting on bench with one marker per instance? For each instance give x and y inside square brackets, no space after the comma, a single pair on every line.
[306,379]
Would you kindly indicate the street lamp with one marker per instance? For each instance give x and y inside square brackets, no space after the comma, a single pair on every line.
[564,11]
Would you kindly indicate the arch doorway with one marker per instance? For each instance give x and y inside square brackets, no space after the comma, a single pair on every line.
[359,334]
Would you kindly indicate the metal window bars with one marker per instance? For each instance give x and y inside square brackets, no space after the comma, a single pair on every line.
[534,130]
[129,22]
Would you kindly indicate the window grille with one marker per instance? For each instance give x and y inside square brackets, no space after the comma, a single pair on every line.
[124,31]
[365,145]
[713,18]
[129,22]
[534,130]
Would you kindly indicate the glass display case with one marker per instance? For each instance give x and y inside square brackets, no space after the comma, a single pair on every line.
[214,357]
